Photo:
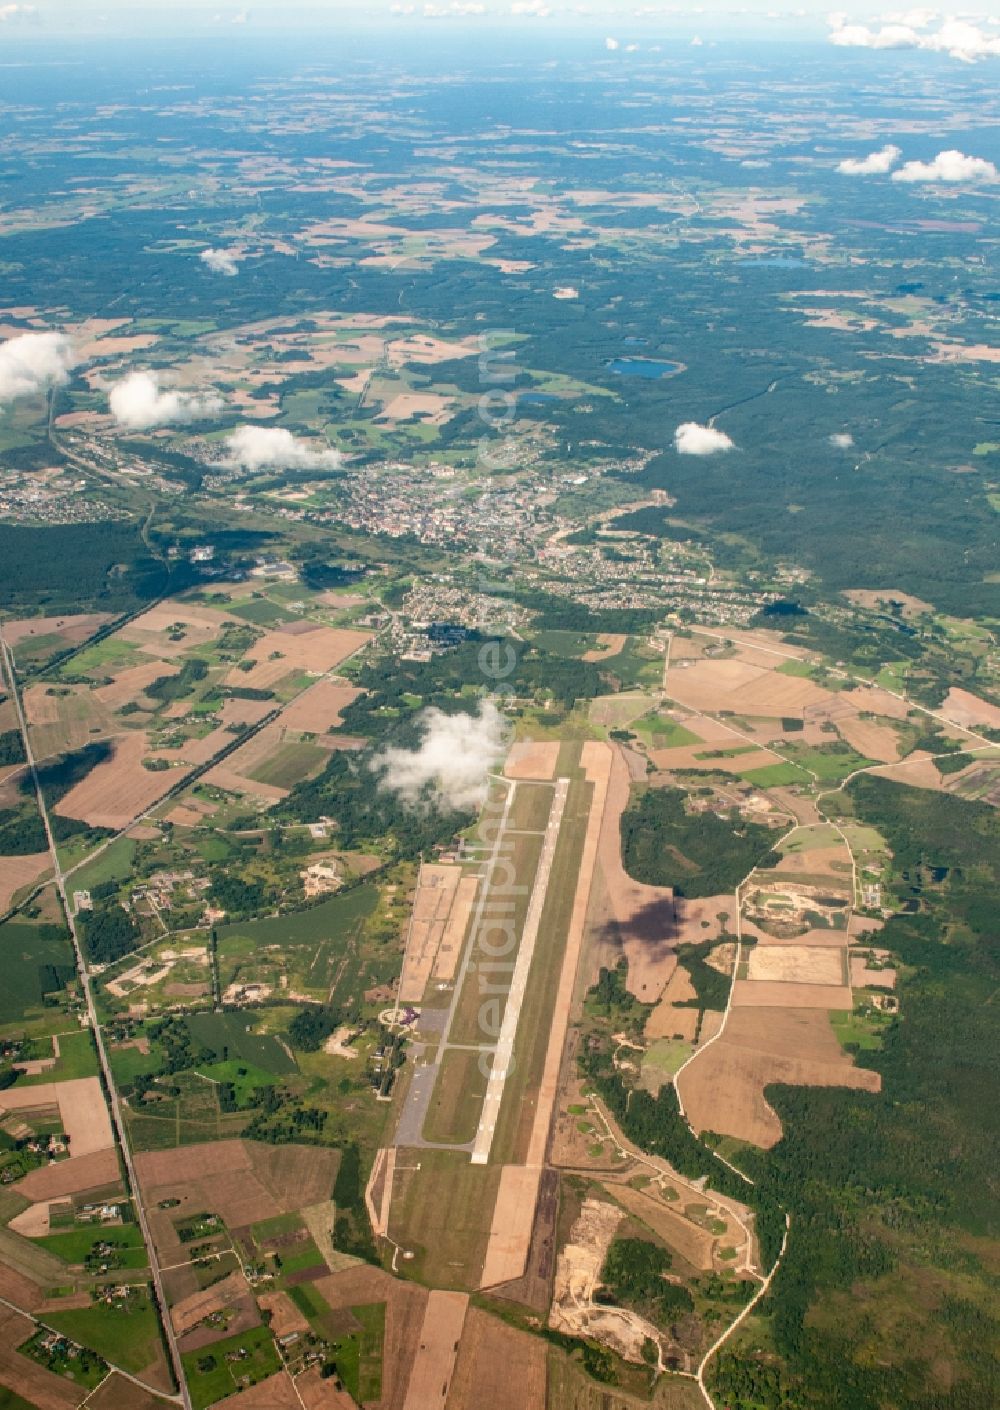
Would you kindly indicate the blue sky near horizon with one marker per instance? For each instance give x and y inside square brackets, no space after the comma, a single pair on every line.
[638,19]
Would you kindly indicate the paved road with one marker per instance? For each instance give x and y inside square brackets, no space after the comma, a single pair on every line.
[503,1055]
[111,1092]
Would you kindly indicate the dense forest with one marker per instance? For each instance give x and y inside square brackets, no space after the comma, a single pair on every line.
[886,1295]
[698,854]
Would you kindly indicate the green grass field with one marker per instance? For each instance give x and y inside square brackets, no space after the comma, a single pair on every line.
[114,864]
[457,1103]
[531,806]
[275,1227]
[796,668]
[359,1354]
[443,1213]
[570,645]
[858,1031]
[129,1337]
[333,920]
[830,767]
[77,1058]
[775,775]
[104,657]
[665,1057]
[290,763]
[74,1245]
[27,958]
[228,1035]
[244,1077]
[211,1377]
[662,732]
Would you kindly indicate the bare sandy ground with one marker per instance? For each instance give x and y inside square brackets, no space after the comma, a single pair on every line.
[532,760]
[437,889]
[797,964]
[513,1218]
[609,644]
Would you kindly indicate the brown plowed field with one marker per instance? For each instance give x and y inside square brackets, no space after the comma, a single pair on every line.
[513,1220]
[871,739]
[967,709]
[119,1394]
[130,683]
[151,631]
[723,1087]
[118,790]
[319,649]
[276,1393]
[82,1110]
[319,1394]
[40,1387]
[319,708]
[763,993]
[404,1316]
[744,687]
[70,1177]
[186,1314]
[498,1367]
[241,1181]
[16,872]
[72,629]
[642,919]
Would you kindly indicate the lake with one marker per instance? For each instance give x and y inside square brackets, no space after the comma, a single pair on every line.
[644,367]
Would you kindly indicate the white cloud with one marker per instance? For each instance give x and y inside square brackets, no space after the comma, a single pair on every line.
[948,166]
[958,38]
[220,261]
[258,447]
[843,440]
[139,403]
[450,767]
[533,9]
[34,362]
[692,439]
[17,12]
[443,12]
[611,44]
[566,292]
[875,164]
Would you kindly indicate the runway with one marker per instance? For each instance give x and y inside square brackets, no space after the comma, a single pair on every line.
[503,1054]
